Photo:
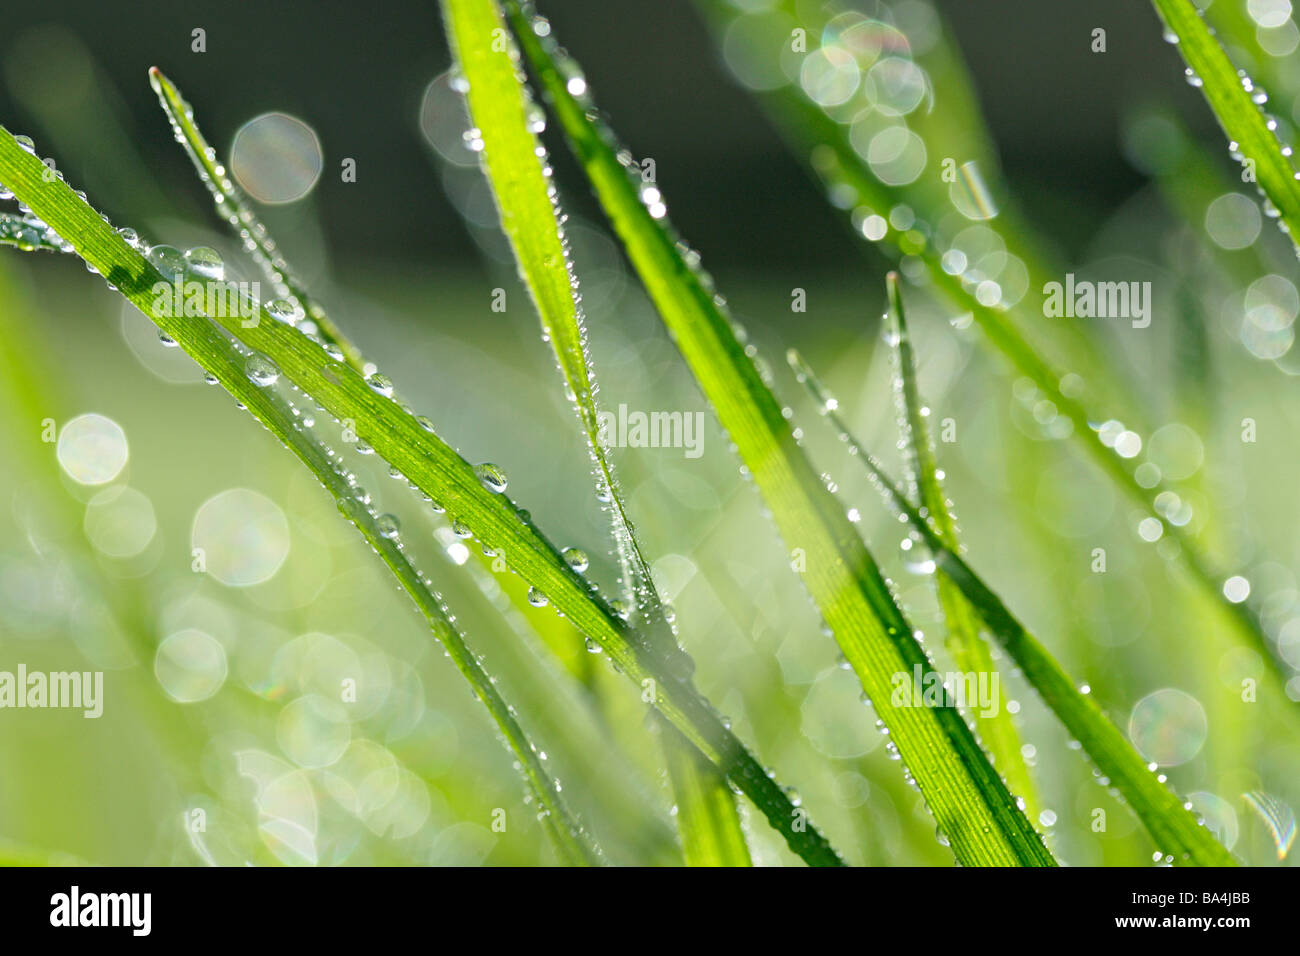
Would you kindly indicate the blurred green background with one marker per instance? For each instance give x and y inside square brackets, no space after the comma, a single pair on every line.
[222,685]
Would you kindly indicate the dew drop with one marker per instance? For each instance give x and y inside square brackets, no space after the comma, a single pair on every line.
[388,526]
[167,260]
[381,383]
[282,310]
[576,559]
[206,263]
[536,598]
[261,370]
[491,477]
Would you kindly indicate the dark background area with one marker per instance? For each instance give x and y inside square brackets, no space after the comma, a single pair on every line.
[356,73]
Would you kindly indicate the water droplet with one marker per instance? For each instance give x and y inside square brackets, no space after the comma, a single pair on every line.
[536,598]
[282,310]
[576,559]
[206,263]
[491,477]
[388,526]
[381,383]
[167,260]
[261,370]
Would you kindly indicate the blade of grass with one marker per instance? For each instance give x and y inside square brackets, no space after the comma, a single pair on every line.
[968,647]
[1166,818]
[515,163]
[1237,105]
[966,795]
[707,818]
[239,215]
[433,466]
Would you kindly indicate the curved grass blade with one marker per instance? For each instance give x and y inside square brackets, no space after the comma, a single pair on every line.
[516,167]
[966,795]
[1176,832]
[1237,105]
[967,646]
[414,451]
[816,135]
[220,358]
[238,214]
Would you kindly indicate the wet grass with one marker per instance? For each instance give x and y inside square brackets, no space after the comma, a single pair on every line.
[982,795]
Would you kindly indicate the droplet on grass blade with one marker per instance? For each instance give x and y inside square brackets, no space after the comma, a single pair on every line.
[282,310]
[167,260]
[381,383]
[261,370]
[491,477]
[206,263]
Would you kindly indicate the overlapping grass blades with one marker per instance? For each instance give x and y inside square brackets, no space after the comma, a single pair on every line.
[968,649]
[515,163]
[234,209]
[1176,832]
[220,358]
[814,134]
[968,798]
[539,248]
[436,469]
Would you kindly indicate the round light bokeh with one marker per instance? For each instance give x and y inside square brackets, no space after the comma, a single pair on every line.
[244,537]
[190,666]
[313,731]
[276,158]
[1168,727]
[92,449]
[120,522]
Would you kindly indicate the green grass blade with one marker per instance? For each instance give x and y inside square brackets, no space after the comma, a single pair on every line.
[1237,105]
[435,468]
[239,215]
[514,161]
[966,795]
[968,648]
[707,818]
[1171,825]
